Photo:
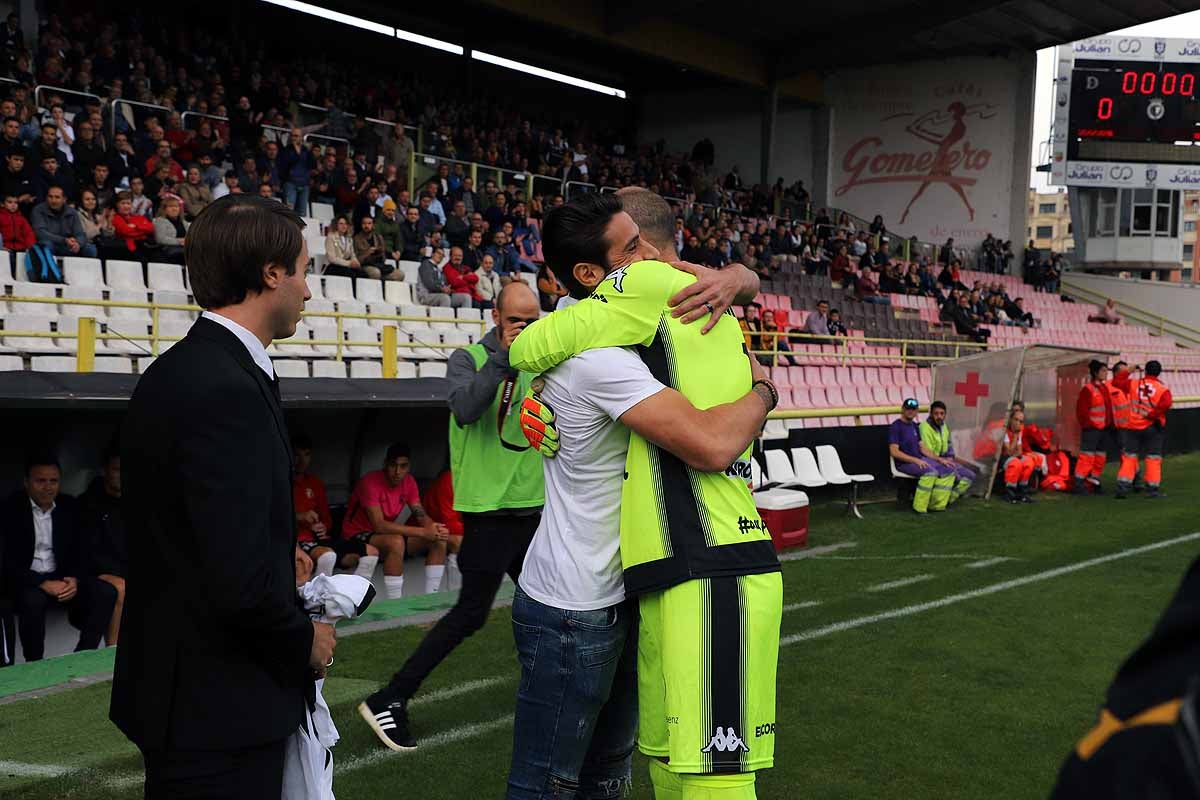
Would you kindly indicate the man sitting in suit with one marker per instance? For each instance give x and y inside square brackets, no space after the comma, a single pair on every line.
[44,562]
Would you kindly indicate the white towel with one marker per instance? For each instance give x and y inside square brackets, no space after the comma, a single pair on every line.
[308,763]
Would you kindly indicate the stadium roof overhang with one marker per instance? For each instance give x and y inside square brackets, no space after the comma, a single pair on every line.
[758,42]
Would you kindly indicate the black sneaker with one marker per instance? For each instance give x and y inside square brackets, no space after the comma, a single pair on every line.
[1011,495]
[1025,497]
[387,715]
[1080,487]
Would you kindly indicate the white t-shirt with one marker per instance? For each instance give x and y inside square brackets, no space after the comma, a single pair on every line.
[574,561]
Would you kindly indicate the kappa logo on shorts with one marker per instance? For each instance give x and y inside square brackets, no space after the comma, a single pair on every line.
[726,742]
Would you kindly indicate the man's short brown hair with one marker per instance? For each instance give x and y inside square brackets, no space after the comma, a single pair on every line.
[652,214]
[232,240]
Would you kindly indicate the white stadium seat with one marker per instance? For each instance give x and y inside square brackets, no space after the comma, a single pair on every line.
[397,292]
[314,286]
[28,344]
[291,369]
[74,310]
[171,330]
[368,290]
[172,297]
[297,345]
[11,363]
[80,271]
[406,369]
[831,470]
[116,365]
[383,309]
[359,331]
[168,277]
[52,363]
[431,369]
[125,275]
[35,309]
[338,287]
[411,270]
[139,315]
[318,304]
[328,369]
[363,368]
[322,212]
[474,314]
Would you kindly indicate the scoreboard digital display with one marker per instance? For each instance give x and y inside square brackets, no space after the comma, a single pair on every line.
[1127,113]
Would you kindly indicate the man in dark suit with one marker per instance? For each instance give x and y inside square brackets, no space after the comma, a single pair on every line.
[45,563]
[216,659]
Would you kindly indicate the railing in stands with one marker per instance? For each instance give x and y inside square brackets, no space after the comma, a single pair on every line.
[121,101]
[843,344]
[37,93]
[1150,319]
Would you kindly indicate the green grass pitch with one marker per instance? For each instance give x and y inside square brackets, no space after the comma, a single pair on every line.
[955,656]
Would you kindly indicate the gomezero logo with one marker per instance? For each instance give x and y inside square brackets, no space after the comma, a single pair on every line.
[724,742]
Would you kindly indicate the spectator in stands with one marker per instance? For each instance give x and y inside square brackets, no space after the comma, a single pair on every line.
[489,284]
[1015,310]
[325,182]
[877,227]
[265,190]
[46,562]
[371,252]
[469,197]
[399,147]
[231,185]
[162,155]
[412,240]
[965,323]
[52,174]
[459,278]
[108,549]
[771,324]
[1050,276]
[926,284]
[946,255]
[1108,314]
[296,167]
[195,193]
[385,512]
[170,231]
[339,251]
[867,289]
[314,523]
[100,182]
[122,161]
[836,328]
[269,167]
[387,225]
[141,204]
[132,230]
[368,205]
[16,235]
[86,151]
[507,263]
[473,251]
[458,225]
[17,181]
[160,184]
[10,138]
[210,173]
[248,176]
[46,146]
[550,288]
[97,223]
[692,251]
[58,226]
[840,267]
[427,221]
[432,289]
[817,323]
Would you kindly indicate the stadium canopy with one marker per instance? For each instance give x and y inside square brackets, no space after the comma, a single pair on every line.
[979,390]
[766,43]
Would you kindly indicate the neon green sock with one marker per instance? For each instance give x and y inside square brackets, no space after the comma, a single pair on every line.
[667,784]
[739,786]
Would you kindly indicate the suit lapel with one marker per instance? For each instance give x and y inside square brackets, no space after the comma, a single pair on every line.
[207,329]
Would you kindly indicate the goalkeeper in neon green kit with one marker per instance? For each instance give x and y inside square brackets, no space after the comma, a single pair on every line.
[693,547]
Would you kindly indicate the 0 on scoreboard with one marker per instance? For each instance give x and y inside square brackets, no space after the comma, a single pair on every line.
[1126,113]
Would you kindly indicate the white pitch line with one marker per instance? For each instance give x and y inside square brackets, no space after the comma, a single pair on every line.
[987,562]
[20,769]
[908,611]
[883,587]
[461,688]
[812,552]
[919,557]
[798,606]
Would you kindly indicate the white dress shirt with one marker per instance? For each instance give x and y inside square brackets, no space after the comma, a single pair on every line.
[257,351]
[43,540]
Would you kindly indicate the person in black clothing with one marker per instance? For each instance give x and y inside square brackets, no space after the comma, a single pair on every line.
[86,150]
[16,182]
[45,562]
[411,238]
[947,253]
[691,251]
[101,513]
[965,323]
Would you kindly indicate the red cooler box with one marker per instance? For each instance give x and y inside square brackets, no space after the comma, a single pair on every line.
[785,513]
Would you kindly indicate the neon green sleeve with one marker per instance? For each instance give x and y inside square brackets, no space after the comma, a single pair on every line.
[929,438]
[624,311]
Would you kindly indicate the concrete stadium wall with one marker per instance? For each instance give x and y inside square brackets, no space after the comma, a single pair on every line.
[887,124]
[732,119]
[1179,302]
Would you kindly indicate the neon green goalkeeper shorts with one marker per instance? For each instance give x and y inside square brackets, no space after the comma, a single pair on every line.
[707,655]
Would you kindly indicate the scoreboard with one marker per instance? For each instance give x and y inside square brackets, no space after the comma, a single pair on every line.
[1126,113]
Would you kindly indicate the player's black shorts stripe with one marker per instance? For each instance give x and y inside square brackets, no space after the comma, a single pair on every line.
[727,683]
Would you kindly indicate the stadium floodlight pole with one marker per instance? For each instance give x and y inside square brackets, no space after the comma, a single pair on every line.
[529,69]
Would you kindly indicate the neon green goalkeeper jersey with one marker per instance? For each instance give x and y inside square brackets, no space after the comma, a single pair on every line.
[677,523]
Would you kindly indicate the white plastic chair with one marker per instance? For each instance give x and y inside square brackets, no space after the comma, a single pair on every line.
[807,474]
[406,369]
[168,277]
[431,369]
[831,470]
[11,364]
[126,275]
[363,368]
[397,292]
[82,271]
[368,290]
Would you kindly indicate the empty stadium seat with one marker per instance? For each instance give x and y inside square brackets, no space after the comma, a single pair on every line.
[385,310]
[297,345]
[81,271]
[406,369]
[431,369]
[22,308]
[328,369]
[125,275]
[291,369]
[315,287]
[368,290]
[10,363]
[397,292]
[359,331]
[411,270]
[78,309]
[172,297]
[167,277]
[830,464]
[129,315]
[338,287]
[169,332]
[807,472]
[52,363]
[363,368]
[322,212]
[15,324]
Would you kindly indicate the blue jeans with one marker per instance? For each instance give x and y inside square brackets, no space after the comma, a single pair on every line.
[576,718]
[877,299]
[296,196]
[86,250]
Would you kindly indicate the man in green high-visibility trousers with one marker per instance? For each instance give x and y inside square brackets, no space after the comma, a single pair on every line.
[935,444]
[693,547]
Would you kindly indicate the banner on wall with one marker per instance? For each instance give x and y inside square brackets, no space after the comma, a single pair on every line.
[929,146]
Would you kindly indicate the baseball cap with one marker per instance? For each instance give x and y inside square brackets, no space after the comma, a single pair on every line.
[910,402]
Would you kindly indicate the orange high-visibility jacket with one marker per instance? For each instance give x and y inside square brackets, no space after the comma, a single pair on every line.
[1102,406]
[1149,400]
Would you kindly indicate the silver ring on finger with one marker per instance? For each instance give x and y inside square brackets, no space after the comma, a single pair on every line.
[710,308]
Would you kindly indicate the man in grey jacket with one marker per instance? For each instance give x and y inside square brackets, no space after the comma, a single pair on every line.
[58,225]
[432,289]
[498,489]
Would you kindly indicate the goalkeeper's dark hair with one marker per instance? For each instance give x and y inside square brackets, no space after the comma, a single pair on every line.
[574,234]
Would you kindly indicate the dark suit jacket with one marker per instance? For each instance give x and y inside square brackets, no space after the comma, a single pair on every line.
[16,527]
[214,647]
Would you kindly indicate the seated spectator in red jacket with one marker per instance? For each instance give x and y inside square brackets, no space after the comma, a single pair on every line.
[868,290]
[132,230]
[461,279]
[15,231]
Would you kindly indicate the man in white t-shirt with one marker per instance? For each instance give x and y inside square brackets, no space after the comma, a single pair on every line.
[569,613]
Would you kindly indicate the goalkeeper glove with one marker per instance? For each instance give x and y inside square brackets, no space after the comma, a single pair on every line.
[537,423]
